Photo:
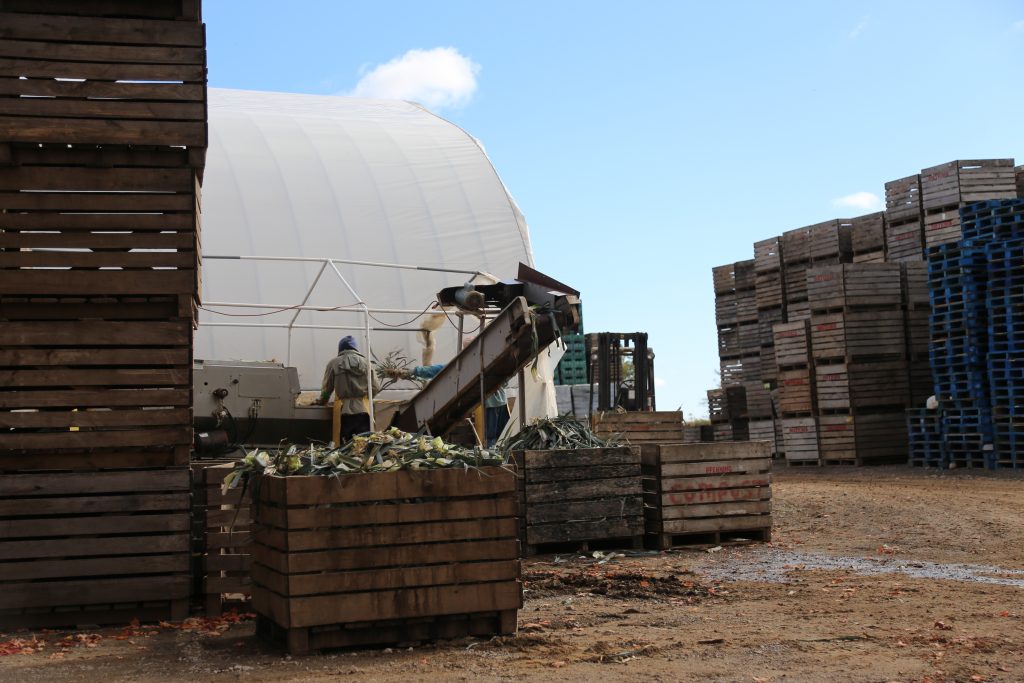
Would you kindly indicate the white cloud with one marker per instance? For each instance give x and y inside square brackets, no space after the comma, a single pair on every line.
[437,78]
[859,28]
[863,201]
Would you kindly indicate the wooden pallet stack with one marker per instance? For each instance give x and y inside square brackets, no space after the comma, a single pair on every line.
[904,220]
[584,498]
[759,414]
[711,492]
[858,340]
[102,142]
[947,187]
[390,557]
[868,238]
[824,243]
[770,298]
[796,394]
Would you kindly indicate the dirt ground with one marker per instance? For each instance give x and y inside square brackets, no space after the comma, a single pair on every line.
[880,574]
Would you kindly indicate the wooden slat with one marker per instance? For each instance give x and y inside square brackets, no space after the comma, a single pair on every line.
[173,92]
[98,566]
[102,131]
[48,485]
[102,398]
[98,221]
[135,202]
[51,178]
[113,282]
[398,534]
[86,505]
[180,240]
[94,460]
[114,545]
[159,436]
[92,526]
[107,30]
[380,515]
[94,52]
[94,591]
[113,377]
[102,109]
[27,357]
[94,418]
[98,333]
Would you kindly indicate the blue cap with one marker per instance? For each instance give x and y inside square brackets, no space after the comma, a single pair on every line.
[348,342]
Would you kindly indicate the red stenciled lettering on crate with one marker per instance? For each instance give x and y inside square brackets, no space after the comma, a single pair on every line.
[717,493]
[830,378]
[904,236]
[824,277]
[825,327]
[718,469]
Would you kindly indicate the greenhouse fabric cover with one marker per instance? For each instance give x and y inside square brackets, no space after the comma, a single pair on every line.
[325,176]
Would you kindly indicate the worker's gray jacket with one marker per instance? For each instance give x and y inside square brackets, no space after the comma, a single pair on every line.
[346,377]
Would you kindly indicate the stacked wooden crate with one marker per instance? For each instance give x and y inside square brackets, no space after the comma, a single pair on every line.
[868,238]
[858,341]
[713,491]
[770,298]
[904,220]
[947,187]
[824,243]
[796,395]
[739,347]
[102,141]
[727,410]
[587,498]
[390,557]
[664,426]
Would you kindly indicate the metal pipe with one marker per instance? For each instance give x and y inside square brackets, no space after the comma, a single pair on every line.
[366,319]
[283,308]
[284,326]
[351,262]
[295,317]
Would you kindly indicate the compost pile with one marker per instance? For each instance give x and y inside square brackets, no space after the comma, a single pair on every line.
[387,451]
[557,433]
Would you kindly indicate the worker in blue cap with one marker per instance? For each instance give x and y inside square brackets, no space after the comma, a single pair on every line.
[346,377]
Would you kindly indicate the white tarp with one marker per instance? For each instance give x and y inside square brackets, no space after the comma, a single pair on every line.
[320,176]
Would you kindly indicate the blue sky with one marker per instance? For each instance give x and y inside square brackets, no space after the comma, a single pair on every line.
[648,142]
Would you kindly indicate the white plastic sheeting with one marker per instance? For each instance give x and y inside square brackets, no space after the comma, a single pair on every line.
[321,176]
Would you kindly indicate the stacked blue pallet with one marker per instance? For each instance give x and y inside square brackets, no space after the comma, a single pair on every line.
[958,328]
[1005,303]
[924,428]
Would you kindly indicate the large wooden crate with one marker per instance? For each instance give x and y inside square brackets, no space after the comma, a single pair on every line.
[866,335]
[386,557]
[903,199]
[800,439]
[796,246]
[769,291]
[854,285]
[698,492]
[795,282]
[905,241]
[792,344]
[966,181]
[588,497]
[796,392]
[758,400]
[724,279]
[831,241]
[227,535]
[868,238]
[93,547]
[641,427]
[768,255]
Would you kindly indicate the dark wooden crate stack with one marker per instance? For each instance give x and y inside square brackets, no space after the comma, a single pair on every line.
[770,298]
[587,498]
[707,492]
[225,563]
[947,187]
[858,341]
[916,307]
[641,427]
[372,559]
[796,395]
[102,141]
[736,318]
[868,238]
[904,220]
[727,409]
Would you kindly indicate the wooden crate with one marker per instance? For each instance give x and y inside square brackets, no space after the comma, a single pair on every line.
[831,241]
[800,439]
[738,370]
[743,273]
[837,437]
[795,282]
[725,309]
[763,430]
[125,75]
[227,527]
[746,306]
[915,285]
[768,255]
[879,384]
[723,279]
[758,400]
[729,341]
[748,338]
[769,292]
[903,199]
[868,238]
[1019,174]
[881,438]
[641,427]
[832,387]
[796,246]
[875,334]
[766,320]
[904,241]
[966,181]
[94,547]
[587,498]
[385,557]
[769,367]
[828,337]
[722,431]
[792,344]
[697,492]
[798,310]
[854,285]
[727,403]
[796,392]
